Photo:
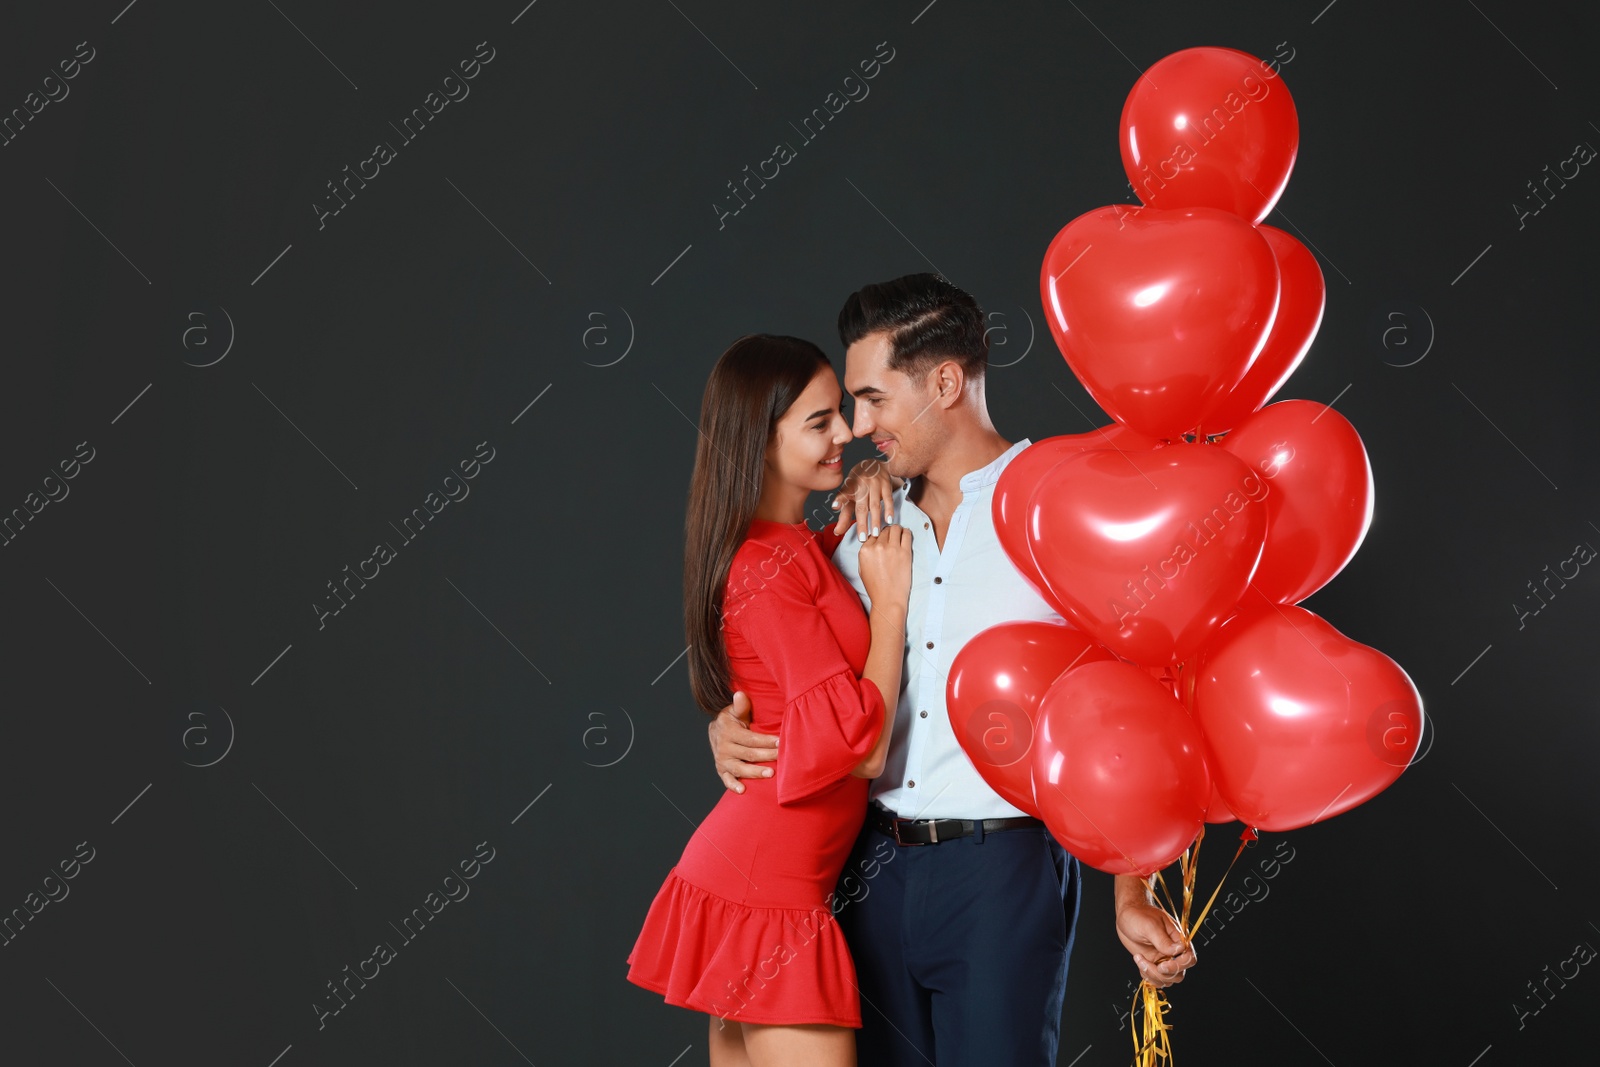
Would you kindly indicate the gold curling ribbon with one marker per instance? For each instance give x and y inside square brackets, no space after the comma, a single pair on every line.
[1152,1044]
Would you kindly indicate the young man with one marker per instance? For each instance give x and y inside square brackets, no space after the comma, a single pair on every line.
[958,907]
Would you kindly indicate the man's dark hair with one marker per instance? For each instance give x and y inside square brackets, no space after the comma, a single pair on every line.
[928,320]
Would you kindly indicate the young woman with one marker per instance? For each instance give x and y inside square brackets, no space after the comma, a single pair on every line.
[743,927]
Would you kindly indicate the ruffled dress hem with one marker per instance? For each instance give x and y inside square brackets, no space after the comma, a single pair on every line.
[771,965]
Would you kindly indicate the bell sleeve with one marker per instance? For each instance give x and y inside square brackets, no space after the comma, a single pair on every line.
[832,717]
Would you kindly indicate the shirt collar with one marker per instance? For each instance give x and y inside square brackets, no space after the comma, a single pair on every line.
[990,474]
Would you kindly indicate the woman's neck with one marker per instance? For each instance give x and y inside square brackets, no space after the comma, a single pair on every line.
[782,503]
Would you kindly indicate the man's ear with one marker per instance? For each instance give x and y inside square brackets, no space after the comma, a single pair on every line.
[951,380]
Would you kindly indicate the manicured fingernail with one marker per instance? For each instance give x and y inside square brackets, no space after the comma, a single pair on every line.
[863,535]
[874,529]
[834,505]
[766,772]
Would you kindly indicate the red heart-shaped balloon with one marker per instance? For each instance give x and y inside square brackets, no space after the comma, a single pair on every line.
[993,692]
[1301,723]
[1159,313]
[1119,773]
[1302,295]
[1021,476]
[1210,126]
[1147,552]
[1320,504]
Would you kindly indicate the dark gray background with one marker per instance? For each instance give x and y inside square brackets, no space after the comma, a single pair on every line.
[523,650]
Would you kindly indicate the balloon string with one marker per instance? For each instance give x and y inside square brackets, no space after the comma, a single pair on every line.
[1245,838]
[1152,1042]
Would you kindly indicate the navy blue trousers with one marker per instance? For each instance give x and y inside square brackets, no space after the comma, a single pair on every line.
[960,948]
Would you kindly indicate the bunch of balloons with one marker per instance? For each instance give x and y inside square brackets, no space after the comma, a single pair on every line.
[1186,686]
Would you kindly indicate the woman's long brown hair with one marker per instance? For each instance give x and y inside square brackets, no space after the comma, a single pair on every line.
[754,382]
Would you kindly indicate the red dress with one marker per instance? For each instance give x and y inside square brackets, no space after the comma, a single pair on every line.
[743,927]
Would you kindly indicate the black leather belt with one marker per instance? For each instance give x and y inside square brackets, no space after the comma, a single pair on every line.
[933,831]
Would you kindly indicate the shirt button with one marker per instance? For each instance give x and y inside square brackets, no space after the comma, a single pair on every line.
[911,783]
[924,526]
[930,644]
[924,714]
[938,581]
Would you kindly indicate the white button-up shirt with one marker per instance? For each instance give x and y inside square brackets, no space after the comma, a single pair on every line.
[969,586]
